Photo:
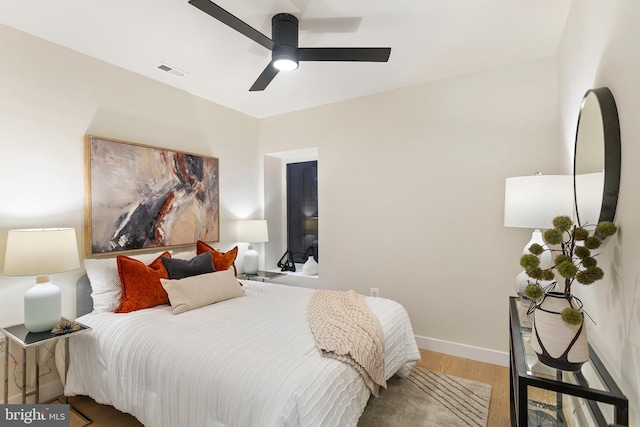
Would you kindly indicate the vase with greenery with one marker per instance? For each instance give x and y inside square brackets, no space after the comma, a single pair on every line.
[574,261]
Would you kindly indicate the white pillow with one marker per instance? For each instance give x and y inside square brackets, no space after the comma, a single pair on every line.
[204,289]
[184,255]
[106,289]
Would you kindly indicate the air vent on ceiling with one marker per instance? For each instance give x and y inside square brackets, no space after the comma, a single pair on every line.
[172,70]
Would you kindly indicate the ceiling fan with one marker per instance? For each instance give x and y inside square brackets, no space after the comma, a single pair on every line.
[283,45]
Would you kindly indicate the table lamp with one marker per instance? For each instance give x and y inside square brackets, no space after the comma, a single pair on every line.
[533,202]
[252,231]
[40,252]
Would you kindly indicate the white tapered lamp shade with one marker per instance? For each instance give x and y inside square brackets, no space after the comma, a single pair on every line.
[252,231]
[40,252]
[533,202]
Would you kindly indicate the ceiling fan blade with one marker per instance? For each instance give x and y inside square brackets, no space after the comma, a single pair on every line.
[367,54]
[230,20]
[264,78]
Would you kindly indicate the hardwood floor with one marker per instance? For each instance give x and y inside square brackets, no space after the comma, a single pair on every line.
[496,376]
[102,415]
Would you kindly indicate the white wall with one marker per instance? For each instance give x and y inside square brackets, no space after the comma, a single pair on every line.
[50,97]
[411,192]
[600,48]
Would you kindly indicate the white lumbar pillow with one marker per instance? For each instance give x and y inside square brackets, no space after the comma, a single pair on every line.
[204,289]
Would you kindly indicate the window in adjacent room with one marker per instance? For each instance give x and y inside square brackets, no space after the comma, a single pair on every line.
[302,210]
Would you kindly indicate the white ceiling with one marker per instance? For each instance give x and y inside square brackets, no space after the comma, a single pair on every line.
[430,39]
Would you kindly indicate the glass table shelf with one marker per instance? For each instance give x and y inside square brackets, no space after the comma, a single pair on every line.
[545,396]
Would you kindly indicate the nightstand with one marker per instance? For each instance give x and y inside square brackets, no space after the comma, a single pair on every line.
[261,276]
[19,335]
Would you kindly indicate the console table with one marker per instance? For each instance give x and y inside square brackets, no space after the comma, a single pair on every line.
[541,395]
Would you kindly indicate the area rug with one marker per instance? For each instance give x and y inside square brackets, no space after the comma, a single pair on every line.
[429,399]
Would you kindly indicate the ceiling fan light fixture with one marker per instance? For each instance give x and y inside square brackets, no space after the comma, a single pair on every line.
[285,64]
[285,57]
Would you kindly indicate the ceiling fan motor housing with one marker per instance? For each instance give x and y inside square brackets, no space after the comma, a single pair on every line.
[284,32]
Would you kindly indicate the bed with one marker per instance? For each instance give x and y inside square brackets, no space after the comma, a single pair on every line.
[249,361]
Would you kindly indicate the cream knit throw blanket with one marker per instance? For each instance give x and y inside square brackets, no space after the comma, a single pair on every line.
[345,329]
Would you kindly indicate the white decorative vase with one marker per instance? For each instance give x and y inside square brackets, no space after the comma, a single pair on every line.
[556,343]
[310,268]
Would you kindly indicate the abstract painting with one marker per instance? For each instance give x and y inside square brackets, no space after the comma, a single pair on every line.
[140,197]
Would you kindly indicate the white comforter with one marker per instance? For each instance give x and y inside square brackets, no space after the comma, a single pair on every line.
[246,362]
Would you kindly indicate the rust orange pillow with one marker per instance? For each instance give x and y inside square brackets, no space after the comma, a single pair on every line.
[141,287]
[221,260]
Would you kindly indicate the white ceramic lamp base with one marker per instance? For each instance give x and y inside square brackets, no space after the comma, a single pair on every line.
[545,257]
[522,280]
[42,306]
[251,261]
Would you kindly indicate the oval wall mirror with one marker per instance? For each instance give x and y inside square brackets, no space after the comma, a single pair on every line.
[596,164]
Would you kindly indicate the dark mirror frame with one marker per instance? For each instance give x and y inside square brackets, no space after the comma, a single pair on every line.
[612,153]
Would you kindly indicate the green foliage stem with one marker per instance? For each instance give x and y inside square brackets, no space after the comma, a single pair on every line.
[573,261]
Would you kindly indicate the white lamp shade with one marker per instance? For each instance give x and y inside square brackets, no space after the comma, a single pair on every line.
[534,201]
[33,252]
[253,231]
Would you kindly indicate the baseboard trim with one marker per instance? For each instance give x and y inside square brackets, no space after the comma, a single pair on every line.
[48,391]
[500,358]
